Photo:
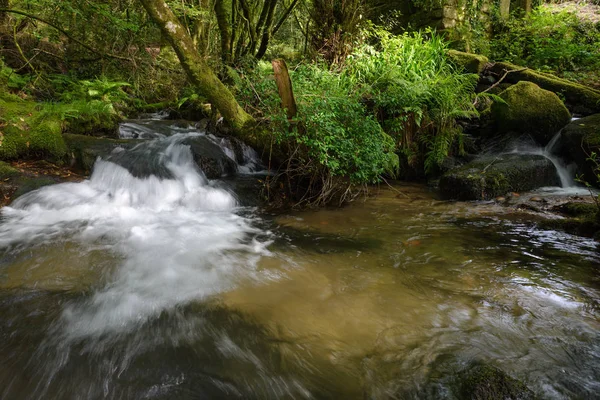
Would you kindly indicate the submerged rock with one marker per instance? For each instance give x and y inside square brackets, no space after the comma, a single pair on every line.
[84,150]
[494,176]
[582,137]
[484,382]
[529,110]
[210,157]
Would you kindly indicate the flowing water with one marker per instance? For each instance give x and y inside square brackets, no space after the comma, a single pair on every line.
[161,285]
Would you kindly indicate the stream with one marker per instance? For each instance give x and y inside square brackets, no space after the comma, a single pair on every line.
[150,281]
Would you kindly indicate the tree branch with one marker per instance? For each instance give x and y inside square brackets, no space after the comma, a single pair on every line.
[79,42]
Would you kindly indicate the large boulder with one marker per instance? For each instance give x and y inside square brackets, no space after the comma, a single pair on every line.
[581,138]
[529,110]
[581,99]
[493,176]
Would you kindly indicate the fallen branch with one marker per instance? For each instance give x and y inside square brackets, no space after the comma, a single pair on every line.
[506,72]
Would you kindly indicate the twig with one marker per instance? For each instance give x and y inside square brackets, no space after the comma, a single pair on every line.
[502,78]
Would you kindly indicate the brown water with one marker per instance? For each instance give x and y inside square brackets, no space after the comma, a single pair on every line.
[387,298]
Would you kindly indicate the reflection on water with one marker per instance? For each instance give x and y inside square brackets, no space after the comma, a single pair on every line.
[193,297]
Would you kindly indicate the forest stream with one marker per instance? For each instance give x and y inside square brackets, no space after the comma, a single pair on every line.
[150,281]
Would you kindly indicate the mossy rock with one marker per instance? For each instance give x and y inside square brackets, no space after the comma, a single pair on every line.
[84,150]
[6,171]
[581,99]
[490,177]
[472,63]
[581,138]
[529,110]
[43,140]
[484,382]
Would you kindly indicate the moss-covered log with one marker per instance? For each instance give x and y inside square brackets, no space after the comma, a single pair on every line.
[581,99]
[198,71]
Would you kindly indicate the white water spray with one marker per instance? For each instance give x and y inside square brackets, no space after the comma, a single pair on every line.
[179,239]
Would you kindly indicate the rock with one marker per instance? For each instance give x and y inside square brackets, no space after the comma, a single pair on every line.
[210,158]
[484,382]
[581,99]
[84,150]
[472,63]
[580,138]
[529,110]
[491,177]
[26,176]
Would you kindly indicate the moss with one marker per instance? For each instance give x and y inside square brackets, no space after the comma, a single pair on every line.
[6,171]
[582,99]
[484,382]
[472,63]
[530,110]
[491,177]
[577,209]
[28,184]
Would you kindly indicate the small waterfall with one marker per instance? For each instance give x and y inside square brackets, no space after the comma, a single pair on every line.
[565,175]
[178,236]
[563,171]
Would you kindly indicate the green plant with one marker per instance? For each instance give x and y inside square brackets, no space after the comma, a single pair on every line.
[334,143]
[546,40]
[416,92]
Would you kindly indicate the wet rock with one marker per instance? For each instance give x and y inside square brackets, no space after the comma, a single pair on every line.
[529,110]
[484,382]
[26,176]
[491,177]
[580,138]
[84,150]
[210,157]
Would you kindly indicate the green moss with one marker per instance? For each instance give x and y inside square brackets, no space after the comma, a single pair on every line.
[491,177]
[530,110]
[583,99]
[472,63]
[578,209]
[6,171]
[484,382]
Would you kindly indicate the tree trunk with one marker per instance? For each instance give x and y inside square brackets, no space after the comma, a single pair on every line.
[284,86]
[224,30]
[3,15]
[199,73]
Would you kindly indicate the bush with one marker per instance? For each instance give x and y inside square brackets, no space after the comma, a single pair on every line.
[404,84]
[334,143]
[557,42]
[416,91]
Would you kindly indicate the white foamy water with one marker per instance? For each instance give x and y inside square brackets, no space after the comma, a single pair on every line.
[179,239]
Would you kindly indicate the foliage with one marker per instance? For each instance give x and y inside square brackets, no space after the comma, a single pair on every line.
[333,143]
[338,26]
[416,92]
[403,84]
[556,42]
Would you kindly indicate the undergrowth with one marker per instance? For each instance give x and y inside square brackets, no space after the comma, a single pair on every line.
[550,41]
[398,96]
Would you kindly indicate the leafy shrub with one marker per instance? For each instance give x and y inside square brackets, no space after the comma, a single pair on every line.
[417,93]
[404,84]
[334,143]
